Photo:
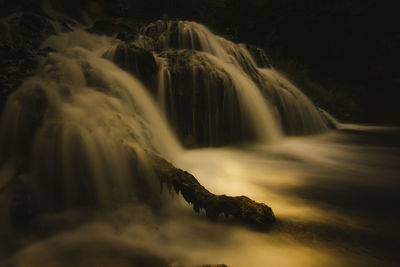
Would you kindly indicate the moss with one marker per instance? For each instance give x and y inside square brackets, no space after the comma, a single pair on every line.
[241,208]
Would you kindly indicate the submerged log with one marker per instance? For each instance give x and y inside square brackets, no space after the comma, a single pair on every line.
[241,208]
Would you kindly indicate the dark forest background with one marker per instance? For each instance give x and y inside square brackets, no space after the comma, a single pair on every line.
[344,54]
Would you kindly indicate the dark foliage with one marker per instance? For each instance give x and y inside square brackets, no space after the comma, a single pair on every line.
[343,53]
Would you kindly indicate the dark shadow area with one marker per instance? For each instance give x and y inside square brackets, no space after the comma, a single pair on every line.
[368,194]
[376,243]
[343,54]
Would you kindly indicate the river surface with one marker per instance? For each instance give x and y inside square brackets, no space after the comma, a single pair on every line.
[335,196]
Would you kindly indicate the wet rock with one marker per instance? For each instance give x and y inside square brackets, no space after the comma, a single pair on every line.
[173,33]
[259,56]
[111,28]
[136,60]
[157,32]
[126,30]
[201,101]
[35,27]
[21,35]
[23,208]
[241,208]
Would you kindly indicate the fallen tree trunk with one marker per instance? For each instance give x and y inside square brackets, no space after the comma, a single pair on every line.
[241,208]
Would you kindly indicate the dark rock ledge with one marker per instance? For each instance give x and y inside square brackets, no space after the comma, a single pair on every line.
[241,208]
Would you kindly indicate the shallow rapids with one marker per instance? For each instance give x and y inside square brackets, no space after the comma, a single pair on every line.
[333,196]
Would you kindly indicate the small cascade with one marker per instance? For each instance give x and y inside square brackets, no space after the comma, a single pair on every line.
[201,100]
[226,105]
[264,102]
[184,35]
[332,120]
[252,102]
[191,35]
[297,113]
[74,134]
[163,81]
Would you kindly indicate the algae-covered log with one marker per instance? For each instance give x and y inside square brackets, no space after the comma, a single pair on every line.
[241,208]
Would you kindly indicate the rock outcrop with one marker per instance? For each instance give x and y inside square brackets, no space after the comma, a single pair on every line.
[135,60]
[200,100]
[21,35]
[121,30]
[259,56]
[241,208]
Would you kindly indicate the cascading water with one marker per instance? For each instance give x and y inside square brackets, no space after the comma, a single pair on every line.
[75,133]
[268,103]
[212,112]
[85,121]
[252,102]
[298,114]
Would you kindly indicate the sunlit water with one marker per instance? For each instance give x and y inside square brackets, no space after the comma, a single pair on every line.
[334,196]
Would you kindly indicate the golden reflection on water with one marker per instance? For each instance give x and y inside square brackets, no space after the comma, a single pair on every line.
[305,233]
[192,240]
[264,174]
[235,172]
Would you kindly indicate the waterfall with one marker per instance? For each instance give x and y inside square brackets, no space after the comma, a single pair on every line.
[195,64]
[205,101]
[191,35]
[253,103]
[74,134]
[89,120]
[163,82]
[298,114]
